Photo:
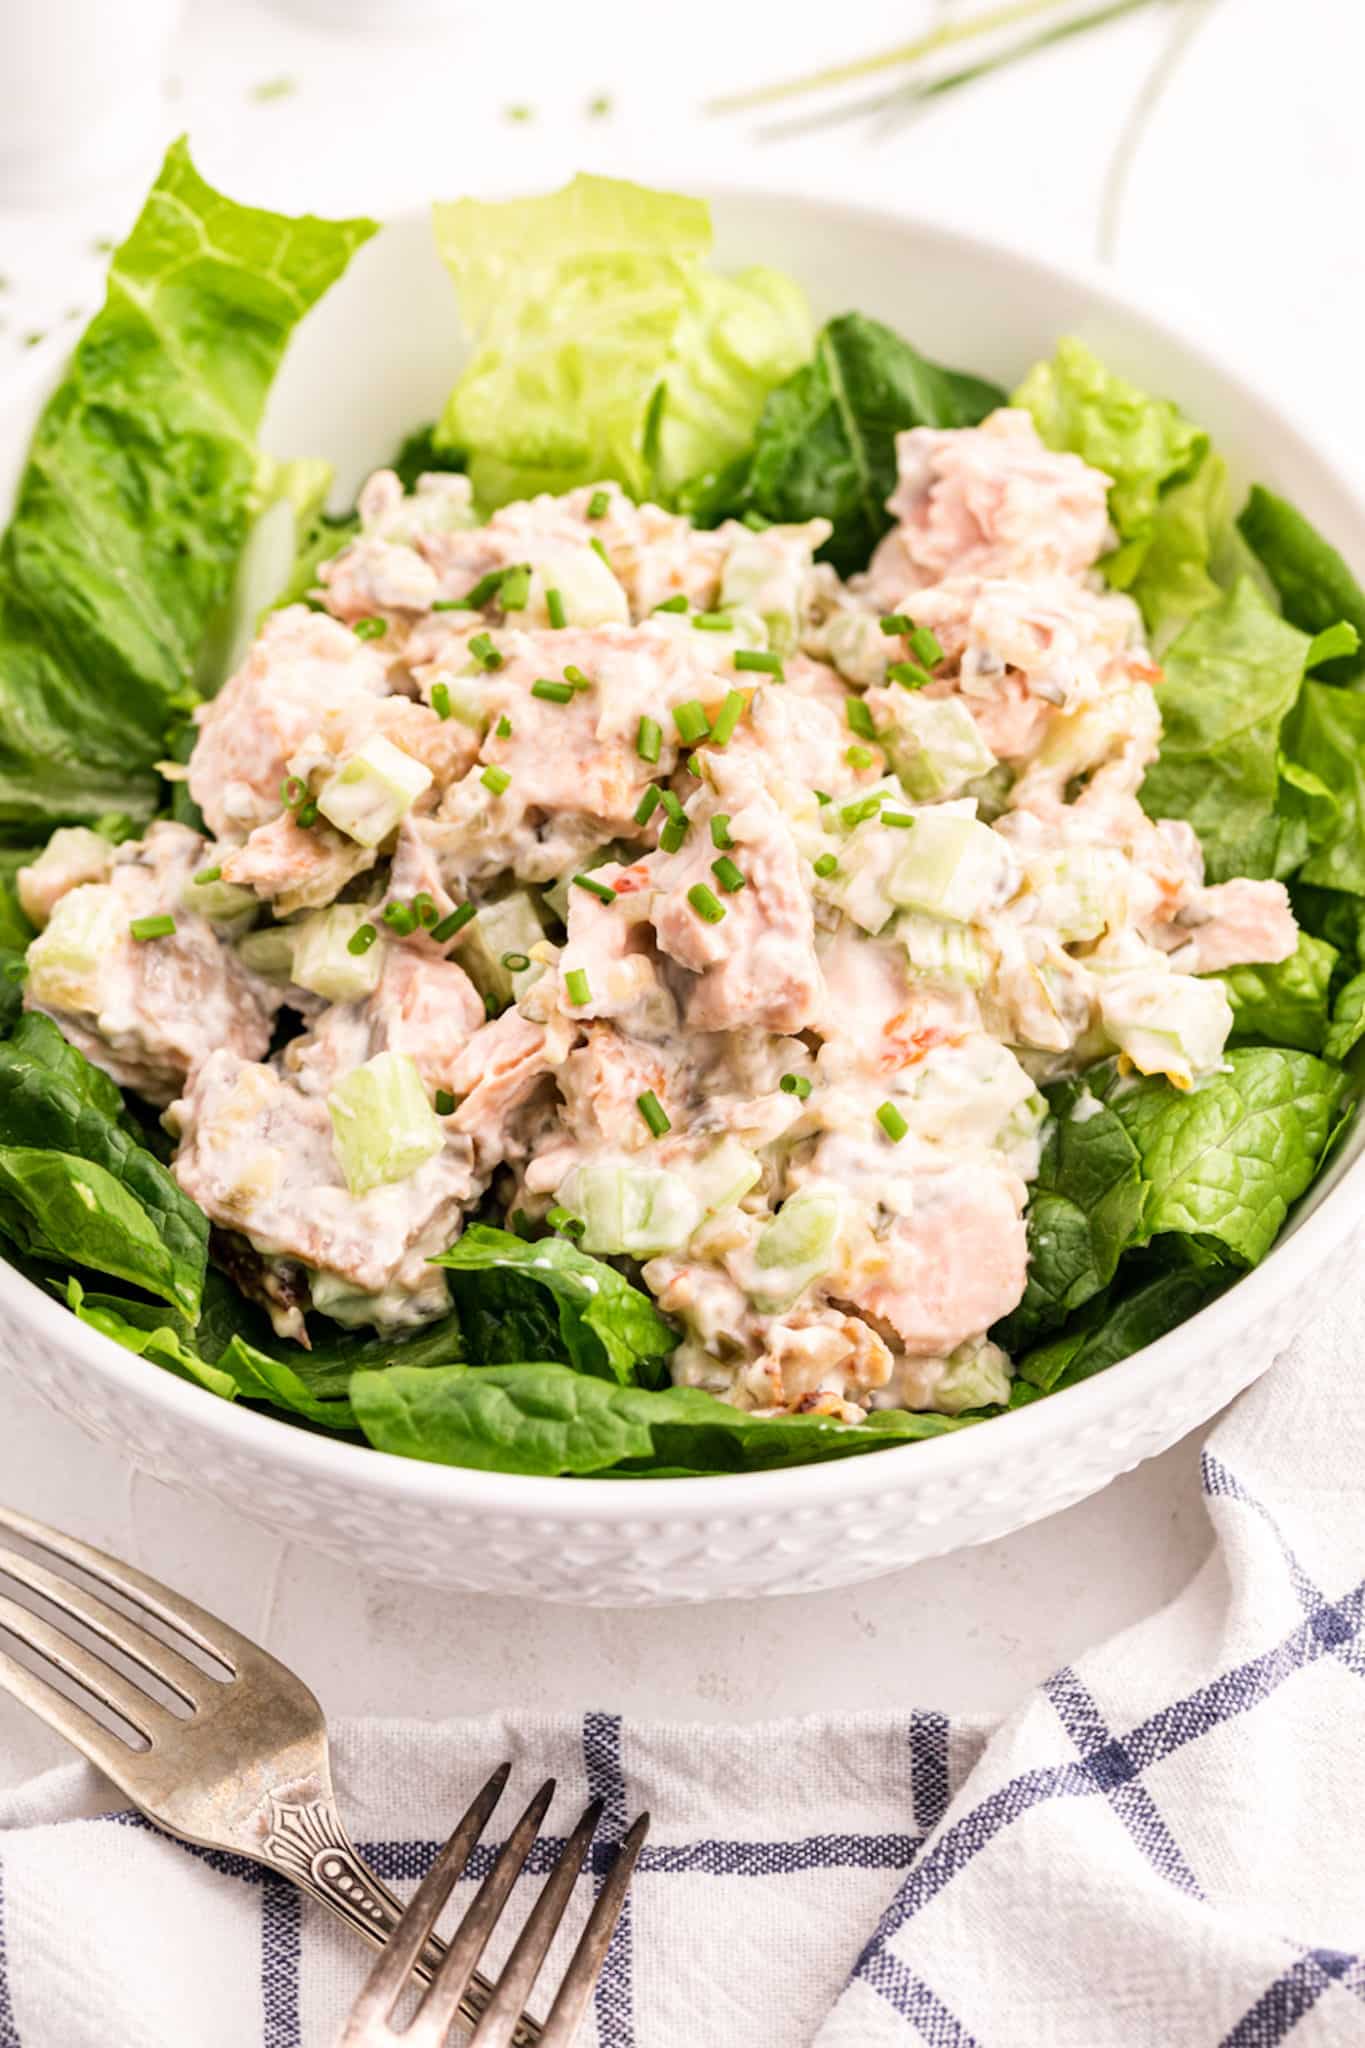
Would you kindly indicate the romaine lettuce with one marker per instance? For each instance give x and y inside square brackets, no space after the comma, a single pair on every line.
[603,348]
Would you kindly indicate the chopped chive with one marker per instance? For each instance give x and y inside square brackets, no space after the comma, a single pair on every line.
[306,816]
[648,805]
[822,796]
[673,834]
[496,780]
[858,757]
[564,1221]
[672,806]
[898,818]
[598,549]
[503,729]
[654,1114]
[897,623]
[159,927]
[424,910]
[909,675]
[484,652]
[475,599]
[755,521]
[206,875]
[603,891]
[597,504]
[795,1084]
[576,987]
[676,603]
[708,907]
[516,963]
[925,646]
[445,1102]
[400,918]
[860,719]
[370,629]
[727,718]
[648,740]
[492,1006]
[691,721]
[552,693]
[361,939]
[554,605]
[293,790]
[690,763]
[448,604]
[759,664]
[825,866]
[455,922]
[857,814]
[576,677]
[515,588]
[440,699]
[892,1122]
[712,622]
[728,875]
[720,831]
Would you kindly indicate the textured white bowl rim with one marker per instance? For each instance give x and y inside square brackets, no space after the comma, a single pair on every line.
[786,1490]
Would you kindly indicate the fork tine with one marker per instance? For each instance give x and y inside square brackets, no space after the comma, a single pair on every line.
[85,1668]
[184,1679]
[205,1630]
[75,1722]
[566,2014]
[386,1981]
[500,2017]
[432,2021]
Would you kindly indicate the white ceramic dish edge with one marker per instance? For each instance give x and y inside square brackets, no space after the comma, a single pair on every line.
[633,1543]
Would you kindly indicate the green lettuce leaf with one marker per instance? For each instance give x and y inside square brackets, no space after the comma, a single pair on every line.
[1348,1020]
[1316,588]
[138,493]
[77,1183]
[1326,737]
[545,1418]
[1113,1326]
[606,1326]
[826,443]
[1232,677]
[603,348]
[1286,1004]
[1085,1209]
[1225,1161]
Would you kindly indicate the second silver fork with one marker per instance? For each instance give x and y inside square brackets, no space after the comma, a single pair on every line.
[244,1768]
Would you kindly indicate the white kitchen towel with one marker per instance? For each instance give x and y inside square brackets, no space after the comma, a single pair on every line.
[1164,1847]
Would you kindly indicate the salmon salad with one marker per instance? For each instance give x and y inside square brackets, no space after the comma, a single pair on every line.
[731,956]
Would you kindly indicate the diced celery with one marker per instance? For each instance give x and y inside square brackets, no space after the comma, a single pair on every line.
[642,1210]
[764,573]
[1172,1024]
[72,856]
[370,794]
[1078,890]
[858,647]
[507,928]
[953,867]
[64,962]
[977,1375]
[935,747]
[803,1241]
[221,902]
[383,1126]
[724,1175]
[588,590]
[948,955]
[1020,1136]
[269,953]
[1079,740]
[323,960]
[465,698]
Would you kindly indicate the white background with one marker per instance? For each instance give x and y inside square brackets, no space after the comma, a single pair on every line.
[1244,190]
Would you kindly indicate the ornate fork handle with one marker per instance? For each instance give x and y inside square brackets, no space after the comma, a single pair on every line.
[309,1846]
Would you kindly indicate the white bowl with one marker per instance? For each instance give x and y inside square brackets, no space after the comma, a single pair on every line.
[373,361]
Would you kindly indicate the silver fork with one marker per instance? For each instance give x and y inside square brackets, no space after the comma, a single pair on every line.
[371,2021]
[243,1766]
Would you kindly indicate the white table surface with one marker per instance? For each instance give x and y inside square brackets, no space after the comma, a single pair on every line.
[1240,193]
